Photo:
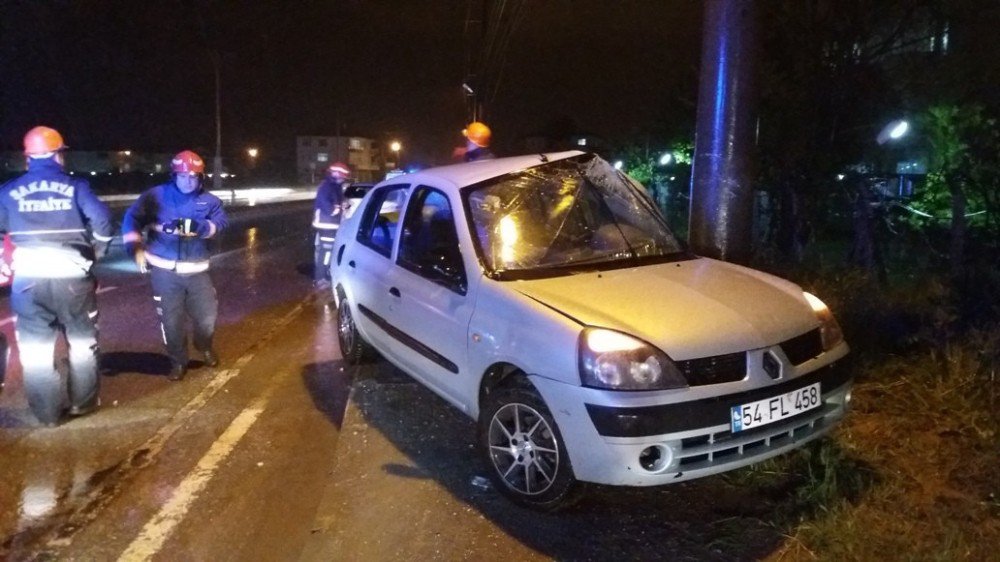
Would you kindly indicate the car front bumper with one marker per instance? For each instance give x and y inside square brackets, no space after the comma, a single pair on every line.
[654,444]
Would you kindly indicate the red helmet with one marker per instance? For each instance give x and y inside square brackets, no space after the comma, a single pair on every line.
[478,134]
[338,170]
[187,162]
[42,140]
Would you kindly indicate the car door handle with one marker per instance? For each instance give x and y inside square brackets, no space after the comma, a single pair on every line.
[351,263]
[394,292]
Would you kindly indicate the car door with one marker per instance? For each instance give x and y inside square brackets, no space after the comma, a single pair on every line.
[428,291]
[369,262]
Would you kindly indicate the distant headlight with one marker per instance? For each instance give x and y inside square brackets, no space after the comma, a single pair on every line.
[829,329]
[617,361]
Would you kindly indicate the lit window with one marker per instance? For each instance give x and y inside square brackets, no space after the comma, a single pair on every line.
[322,157]
[355,144]
[581,142]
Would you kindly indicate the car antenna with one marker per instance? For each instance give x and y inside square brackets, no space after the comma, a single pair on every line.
[543,157]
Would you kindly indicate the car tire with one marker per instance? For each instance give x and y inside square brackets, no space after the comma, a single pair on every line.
[353,347]
[523,449]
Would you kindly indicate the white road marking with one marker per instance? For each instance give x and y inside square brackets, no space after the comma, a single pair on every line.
[158,529]
[95,500]
[106,289]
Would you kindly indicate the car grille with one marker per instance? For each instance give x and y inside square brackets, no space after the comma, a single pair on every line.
[714,370]
[803,348]
[713,450]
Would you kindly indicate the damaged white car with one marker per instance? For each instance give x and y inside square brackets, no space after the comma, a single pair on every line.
[545,297]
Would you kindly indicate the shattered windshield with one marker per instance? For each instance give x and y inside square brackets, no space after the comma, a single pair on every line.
[566,215]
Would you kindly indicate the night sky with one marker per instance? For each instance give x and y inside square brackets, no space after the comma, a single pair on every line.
[139,75]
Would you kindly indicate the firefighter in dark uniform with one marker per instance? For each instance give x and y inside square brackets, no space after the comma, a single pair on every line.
[179,218]
[51,218]
[327,210]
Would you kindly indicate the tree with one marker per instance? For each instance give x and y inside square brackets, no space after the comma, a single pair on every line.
[962,187]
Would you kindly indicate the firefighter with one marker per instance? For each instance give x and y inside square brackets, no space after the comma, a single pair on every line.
[477,142]
[52,218]
[328,208]
[179,218]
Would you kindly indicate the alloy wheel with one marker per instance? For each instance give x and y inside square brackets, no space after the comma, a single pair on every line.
[523,449]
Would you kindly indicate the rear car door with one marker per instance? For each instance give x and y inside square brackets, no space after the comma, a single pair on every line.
[368,262]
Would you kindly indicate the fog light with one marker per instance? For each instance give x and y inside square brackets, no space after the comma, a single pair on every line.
[655,458]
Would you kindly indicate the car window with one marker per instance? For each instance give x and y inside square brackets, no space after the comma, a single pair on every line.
[381,219]
[429,246]
[572,213]
[357,191]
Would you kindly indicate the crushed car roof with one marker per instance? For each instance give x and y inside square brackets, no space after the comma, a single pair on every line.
[469,173]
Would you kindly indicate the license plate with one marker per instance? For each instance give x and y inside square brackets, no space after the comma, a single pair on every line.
[770,410]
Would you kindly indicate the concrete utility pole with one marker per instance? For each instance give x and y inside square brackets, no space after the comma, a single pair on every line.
[721,194]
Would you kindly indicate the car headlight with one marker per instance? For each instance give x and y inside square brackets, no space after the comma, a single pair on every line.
[613,360]
[829,329]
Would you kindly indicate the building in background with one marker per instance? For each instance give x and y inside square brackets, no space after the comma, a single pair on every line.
[315,153]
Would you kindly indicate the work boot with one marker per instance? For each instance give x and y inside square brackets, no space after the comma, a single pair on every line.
[211,358]
[177,372]
[77,411]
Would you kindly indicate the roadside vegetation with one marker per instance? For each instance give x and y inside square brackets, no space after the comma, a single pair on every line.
[913,472]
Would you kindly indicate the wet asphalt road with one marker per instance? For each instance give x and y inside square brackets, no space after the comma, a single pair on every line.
[281,453]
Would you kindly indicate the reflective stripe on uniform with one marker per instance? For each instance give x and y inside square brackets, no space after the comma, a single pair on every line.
[178,266]
[63,231]
[49,263]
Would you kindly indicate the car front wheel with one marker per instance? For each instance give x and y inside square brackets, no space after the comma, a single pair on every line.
[523,449]
[354,349]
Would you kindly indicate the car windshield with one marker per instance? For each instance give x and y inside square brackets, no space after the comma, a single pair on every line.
[564,216]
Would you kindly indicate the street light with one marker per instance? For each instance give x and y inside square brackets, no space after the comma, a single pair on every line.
[893,131]
[396,147]
[618,164]
[666,158]
[252,153]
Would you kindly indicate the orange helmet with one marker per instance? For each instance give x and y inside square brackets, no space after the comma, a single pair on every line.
[187,162]
[338,170]
[42,140]
[478,134]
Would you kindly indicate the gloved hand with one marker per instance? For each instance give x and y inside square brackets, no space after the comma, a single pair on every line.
[138,254]
[201,228]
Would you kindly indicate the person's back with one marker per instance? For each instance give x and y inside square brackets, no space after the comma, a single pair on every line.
[50,217]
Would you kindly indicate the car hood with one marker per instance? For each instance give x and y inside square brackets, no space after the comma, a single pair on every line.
[689,309]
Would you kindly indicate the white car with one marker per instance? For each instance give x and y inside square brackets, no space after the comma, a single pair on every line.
[545,297]
[353,194]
